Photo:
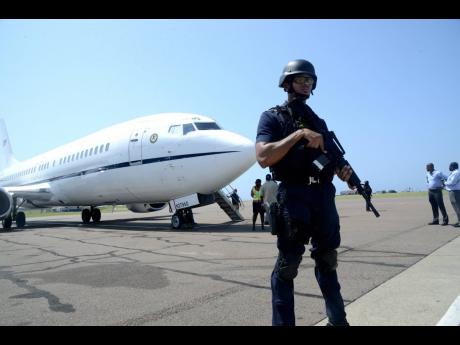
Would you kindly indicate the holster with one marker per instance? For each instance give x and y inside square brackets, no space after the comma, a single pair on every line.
[276,221]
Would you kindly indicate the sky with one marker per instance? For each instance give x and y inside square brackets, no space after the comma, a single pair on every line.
[388,88]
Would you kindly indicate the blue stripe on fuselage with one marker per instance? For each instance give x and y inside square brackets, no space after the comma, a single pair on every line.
[124,165]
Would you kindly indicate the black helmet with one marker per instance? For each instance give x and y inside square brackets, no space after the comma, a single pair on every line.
[298,67]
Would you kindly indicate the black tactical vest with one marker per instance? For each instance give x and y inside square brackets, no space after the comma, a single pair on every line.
[296,165]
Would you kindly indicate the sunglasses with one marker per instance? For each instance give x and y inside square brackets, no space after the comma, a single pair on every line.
[304,80]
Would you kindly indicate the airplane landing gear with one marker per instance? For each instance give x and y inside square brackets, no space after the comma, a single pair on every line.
[96,214]
[88,214]
[183,218]
[6,223]
[18,217]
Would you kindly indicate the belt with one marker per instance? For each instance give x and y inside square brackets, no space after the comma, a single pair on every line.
[312,180]
[308,180]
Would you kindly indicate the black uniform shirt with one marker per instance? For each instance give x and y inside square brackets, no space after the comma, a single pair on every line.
[296,165]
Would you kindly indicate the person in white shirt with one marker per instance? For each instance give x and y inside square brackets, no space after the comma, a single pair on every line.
[452,184]
[434,180]
[268,191]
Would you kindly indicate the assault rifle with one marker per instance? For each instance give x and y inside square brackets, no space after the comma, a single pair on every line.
[334,155]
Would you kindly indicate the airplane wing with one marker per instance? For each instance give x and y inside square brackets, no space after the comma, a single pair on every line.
[36,192]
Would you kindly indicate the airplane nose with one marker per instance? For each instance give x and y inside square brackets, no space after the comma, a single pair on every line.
[227,156]
[245,153]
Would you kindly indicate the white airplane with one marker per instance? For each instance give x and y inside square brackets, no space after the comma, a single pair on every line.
[176,158]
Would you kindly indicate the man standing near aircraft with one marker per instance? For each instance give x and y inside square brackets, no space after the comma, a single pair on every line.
[288,142]
[257,204]
[453,186]
[268,191]
[434,180]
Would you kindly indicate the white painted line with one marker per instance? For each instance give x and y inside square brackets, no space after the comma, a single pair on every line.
[452,316]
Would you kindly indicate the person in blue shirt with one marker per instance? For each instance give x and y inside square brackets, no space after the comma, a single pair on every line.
[288,140]
[435,181]
[453,186]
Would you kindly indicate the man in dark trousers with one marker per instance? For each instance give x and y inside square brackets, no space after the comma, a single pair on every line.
[257,204]
[236,201]
[435,182]
[288,141]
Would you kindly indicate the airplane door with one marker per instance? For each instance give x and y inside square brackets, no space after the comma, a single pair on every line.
[135,146]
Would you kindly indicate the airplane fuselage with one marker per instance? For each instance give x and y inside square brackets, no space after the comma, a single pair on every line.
[150,159]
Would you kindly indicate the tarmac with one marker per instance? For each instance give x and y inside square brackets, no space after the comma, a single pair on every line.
[133,269]
[427,294]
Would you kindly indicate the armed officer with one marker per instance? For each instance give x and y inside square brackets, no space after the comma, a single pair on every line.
[288,141]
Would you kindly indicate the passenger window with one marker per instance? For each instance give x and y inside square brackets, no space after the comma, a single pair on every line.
[95,150]
[101,148]
[188,127]
[91,151]
[107,147]
[86,153]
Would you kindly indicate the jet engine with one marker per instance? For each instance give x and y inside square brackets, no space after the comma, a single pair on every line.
[144,208]
[6,203]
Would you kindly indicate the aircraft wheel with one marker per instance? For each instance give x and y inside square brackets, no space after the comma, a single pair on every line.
[7,222]
[176,221]
[96,215]
[86,216]
[20,219]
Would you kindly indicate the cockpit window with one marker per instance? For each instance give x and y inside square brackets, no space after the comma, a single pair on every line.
[175,129]
[203,126]
[188,127]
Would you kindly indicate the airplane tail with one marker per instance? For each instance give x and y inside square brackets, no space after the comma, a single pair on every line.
[6,153]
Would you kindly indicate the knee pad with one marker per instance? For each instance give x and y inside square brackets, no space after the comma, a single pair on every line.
[288,270]
[327,261]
